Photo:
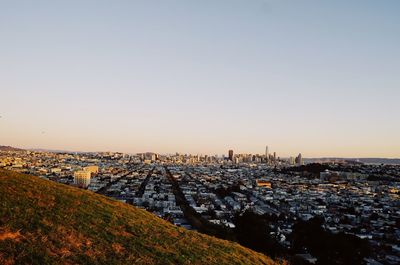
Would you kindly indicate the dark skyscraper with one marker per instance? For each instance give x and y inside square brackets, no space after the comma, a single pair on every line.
[230,155]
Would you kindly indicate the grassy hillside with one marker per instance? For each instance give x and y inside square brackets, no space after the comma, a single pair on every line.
[42,222]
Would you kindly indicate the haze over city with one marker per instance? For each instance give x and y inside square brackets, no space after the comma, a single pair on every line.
[202,77]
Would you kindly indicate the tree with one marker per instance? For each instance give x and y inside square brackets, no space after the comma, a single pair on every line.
[253,231]
[329,248]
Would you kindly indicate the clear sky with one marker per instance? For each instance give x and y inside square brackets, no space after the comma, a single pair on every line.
[317,77]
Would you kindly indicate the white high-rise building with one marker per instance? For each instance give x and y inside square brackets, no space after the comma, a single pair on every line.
[82,178]
[299,160]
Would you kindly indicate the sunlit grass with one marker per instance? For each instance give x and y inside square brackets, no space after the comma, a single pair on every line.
[42,222]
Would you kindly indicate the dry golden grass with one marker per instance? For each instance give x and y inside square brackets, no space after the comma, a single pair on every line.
[9,235]
[42,222]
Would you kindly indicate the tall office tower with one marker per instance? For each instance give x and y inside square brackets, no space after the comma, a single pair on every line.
[299,160]
[274,156]
[266,154]
[230,155]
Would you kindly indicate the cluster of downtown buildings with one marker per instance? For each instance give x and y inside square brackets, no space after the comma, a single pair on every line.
[358,199]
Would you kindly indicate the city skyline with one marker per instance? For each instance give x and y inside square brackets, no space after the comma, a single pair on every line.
[320,78]
[291,158]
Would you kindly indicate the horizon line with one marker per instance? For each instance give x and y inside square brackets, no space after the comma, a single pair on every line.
[187,153]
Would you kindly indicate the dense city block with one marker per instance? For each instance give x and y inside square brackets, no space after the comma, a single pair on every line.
[287,204]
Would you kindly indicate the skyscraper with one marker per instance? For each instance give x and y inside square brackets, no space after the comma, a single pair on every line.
[266,153]
[299,160]
[230,155]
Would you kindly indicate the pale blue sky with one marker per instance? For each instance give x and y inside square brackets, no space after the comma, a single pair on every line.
[317,77]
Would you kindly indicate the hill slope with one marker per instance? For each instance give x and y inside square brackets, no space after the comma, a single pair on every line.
[42,222]
[9,148]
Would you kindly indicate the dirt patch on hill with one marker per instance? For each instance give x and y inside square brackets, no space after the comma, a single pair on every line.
[9,235]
